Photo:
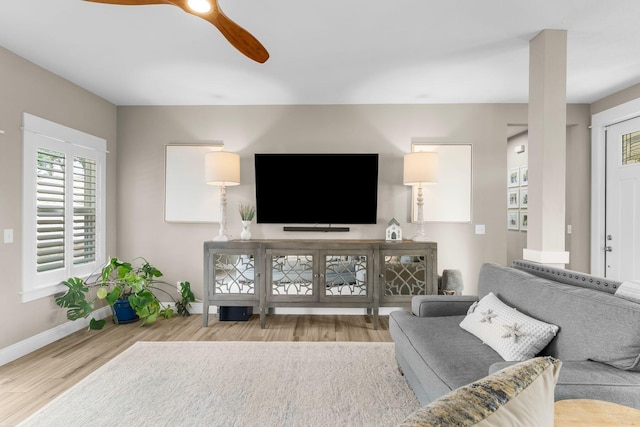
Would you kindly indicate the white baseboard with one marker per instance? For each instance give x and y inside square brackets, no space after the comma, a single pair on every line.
[22,348]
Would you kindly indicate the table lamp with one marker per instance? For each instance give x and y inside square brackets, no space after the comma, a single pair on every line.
[420,168]
[222,169]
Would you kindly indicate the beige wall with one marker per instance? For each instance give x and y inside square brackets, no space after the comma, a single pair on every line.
[578,195]
[25,87]
[136,187]
[385,129]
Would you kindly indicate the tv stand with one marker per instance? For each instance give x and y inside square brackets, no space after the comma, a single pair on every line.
[307,228]
[266,274]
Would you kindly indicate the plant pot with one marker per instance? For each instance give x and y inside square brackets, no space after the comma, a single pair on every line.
[245,234]
[123,312]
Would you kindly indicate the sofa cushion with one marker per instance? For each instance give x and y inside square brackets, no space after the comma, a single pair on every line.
[594,325]
[454,355]
[519,395]
[514,335]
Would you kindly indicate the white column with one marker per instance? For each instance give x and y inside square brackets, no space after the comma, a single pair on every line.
[547,148]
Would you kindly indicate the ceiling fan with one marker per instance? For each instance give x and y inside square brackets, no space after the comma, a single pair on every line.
[211,12]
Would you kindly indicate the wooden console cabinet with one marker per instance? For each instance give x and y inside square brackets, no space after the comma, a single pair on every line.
[266,274]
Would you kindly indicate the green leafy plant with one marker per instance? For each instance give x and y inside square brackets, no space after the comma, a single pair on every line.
[186,298]
[136,282]
[247,212]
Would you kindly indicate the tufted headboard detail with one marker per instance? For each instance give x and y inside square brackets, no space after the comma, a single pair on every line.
[569,277]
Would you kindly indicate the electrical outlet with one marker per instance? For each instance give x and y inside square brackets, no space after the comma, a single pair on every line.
[480,229]
[8,235]
[569,229]
[178,287]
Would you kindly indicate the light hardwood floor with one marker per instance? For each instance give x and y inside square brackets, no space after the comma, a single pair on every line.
[30,382]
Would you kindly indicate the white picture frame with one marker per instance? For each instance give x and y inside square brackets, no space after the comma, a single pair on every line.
[513,177]
[524,220]
[187,197]
[513,199]
[513,220]
[524,175]
[524,197]
[448,200]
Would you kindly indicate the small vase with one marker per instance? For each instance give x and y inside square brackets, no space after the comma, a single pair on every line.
[245,234]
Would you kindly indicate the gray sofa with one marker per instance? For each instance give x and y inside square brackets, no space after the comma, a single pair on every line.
[598,340]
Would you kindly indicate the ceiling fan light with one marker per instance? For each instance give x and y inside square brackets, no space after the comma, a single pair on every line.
[200,6]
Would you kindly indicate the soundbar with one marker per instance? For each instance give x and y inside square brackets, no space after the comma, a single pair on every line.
[323,229]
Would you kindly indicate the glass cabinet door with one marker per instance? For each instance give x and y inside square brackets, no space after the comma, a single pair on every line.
[407,270]
[346,275]
[404,275]
[235,274]
[290,275]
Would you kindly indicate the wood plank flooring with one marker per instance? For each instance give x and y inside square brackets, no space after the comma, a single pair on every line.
[30,382]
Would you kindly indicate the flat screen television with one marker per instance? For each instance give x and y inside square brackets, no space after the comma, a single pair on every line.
[316,188]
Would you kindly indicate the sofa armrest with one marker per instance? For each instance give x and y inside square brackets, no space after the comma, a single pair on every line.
[441,305]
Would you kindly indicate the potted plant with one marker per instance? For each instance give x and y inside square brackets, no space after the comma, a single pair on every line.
[129,288]
[247,212]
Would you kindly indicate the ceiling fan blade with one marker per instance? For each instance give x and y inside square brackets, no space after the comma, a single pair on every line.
[240,38]
[131,2]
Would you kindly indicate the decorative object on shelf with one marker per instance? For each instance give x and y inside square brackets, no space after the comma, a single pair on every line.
[130,289]
[222,169]
[247,212]
[420,168]
[245,234]
[394,232]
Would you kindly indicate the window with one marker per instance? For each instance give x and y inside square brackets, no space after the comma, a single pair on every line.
[631,148]
[63,205]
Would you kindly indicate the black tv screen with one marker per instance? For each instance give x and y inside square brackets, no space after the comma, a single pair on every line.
[316,188]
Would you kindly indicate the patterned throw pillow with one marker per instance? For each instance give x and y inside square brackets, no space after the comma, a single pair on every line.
[513,335]
[517,396]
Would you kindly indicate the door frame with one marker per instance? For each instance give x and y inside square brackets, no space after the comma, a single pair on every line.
[599,123]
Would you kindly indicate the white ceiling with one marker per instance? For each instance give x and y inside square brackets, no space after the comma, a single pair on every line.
[326,52]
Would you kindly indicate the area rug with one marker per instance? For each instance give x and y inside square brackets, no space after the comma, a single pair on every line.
[238,384]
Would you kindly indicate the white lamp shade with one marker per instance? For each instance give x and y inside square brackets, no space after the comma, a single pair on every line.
[222,168]
[420,168]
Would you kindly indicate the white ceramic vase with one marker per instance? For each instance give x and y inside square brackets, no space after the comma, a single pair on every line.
[245,234]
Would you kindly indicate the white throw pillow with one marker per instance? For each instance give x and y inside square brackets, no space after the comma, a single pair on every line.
[513,335]
[629,290]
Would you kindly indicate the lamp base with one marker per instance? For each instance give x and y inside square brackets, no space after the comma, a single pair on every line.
[221,239]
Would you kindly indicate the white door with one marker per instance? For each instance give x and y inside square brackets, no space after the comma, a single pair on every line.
[622,228]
